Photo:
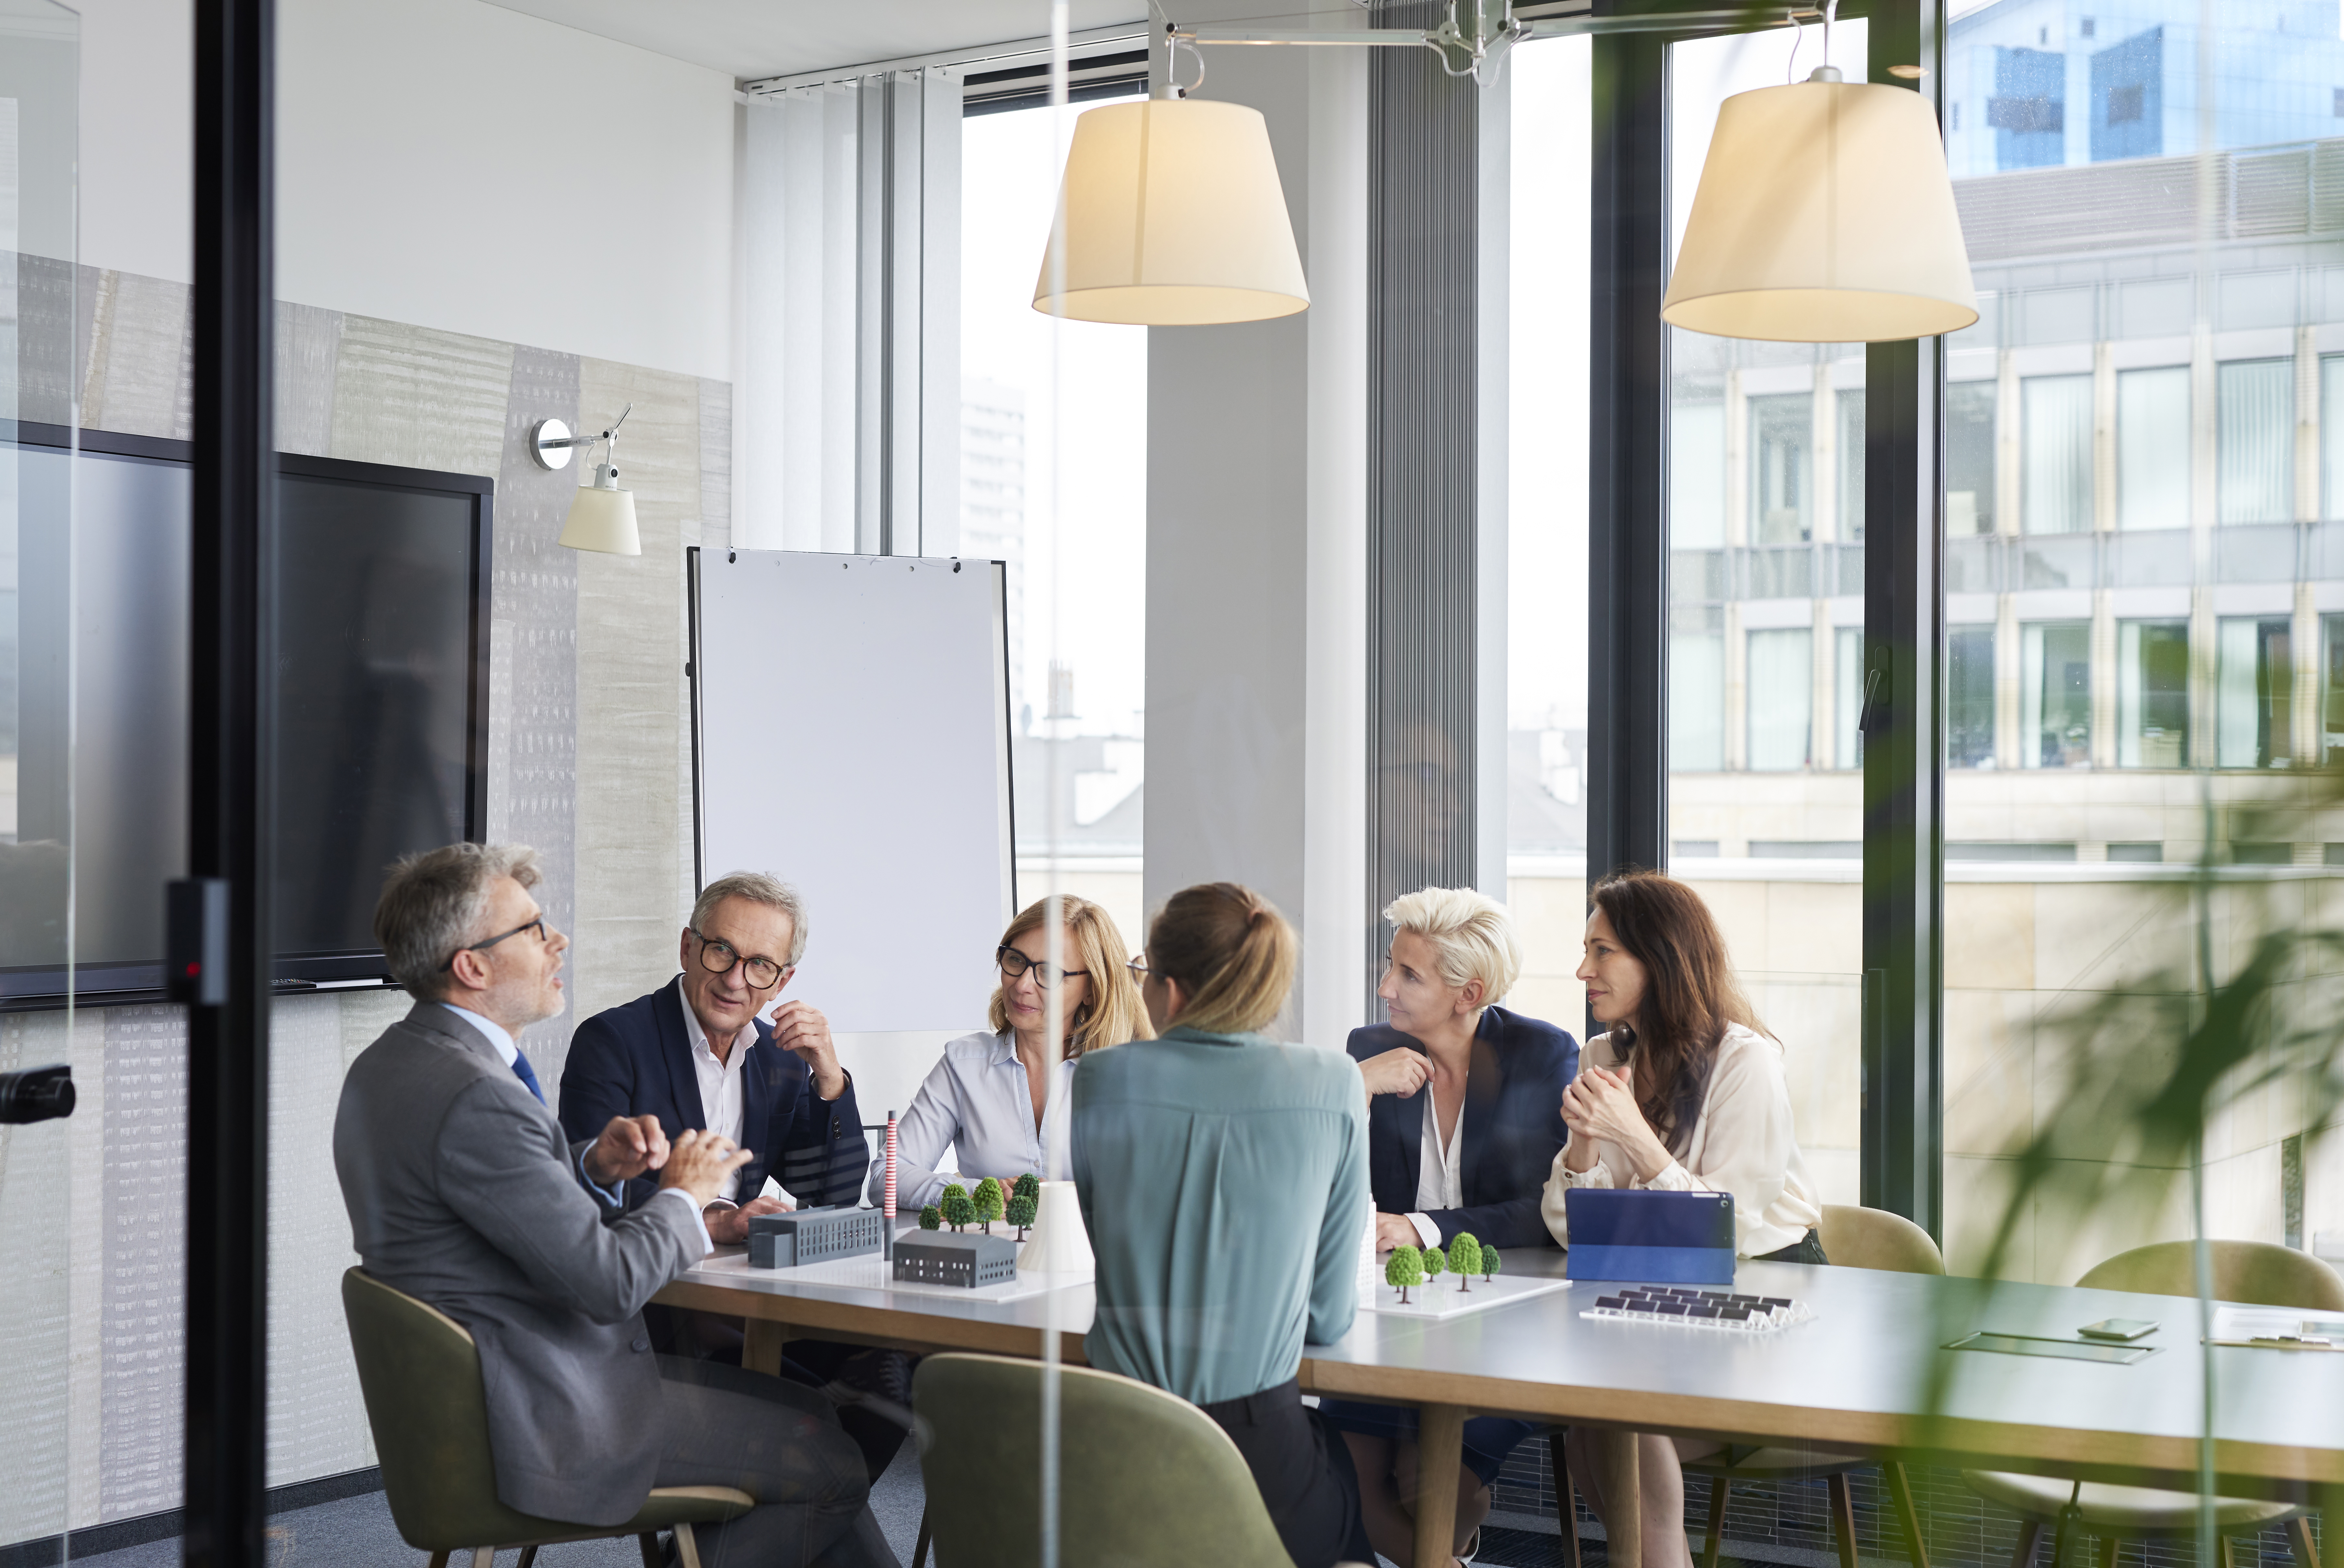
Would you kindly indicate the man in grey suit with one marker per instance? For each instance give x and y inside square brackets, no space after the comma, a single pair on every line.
[464,1192]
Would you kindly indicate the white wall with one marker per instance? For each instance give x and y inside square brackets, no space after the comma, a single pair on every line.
[444,162]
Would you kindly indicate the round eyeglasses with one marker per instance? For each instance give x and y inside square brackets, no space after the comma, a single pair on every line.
[717,956]
[1047,974]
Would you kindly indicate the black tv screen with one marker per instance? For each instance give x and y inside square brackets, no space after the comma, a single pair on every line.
[382,702]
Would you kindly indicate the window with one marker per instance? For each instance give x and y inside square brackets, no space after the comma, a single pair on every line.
[2055,454]
[2331,434]
[2254,689]
[2254,441]
[2054,724]
[1847,693]
[1782,457]
[1850,440]
[1782,687]
[1969,457]
[1969,697]
[2152,694]
[1697,477]
[1697,702]
[2153,449]
[2331,685]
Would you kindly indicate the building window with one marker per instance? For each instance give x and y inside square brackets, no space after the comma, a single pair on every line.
[2331,435]
[2153,449]
[2255,453]
[1969,697]
[1782,452]
[2124,103]
[1782,694]
[1969,457]
[2028,111]
[2056,694]
[2339,104]
[1850,464]
[2055,457]
[2332,685]
[1697,477]
[2153,694]
[1697,702]
[2254,687]
[1847,693]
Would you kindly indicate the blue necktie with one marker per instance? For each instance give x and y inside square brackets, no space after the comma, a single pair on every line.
[527,1074]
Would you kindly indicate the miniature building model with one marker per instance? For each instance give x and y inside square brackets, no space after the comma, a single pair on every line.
[814,1236]
[954,1258]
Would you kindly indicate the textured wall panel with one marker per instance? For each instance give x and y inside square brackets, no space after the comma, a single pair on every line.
[307,341]
[1423,505]
[632,873]
[142,372]
[144,1308]
[419,397]
[715,464]
[533,791]
[46,324]
[36,1297]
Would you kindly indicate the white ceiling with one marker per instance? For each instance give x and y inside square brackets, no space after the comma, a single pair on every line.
[748,39]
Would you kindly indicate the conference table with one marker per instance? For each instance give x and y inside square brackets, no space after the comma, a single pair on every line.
[1865,1376]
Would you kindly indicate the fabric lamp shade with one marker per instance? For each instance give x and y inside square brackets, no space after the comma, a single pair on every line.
[1171,215]
[602,518]
[1825,214]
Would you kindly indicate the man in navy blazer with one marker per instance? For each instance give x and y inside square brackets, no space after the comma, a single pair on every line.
[696,1054]
[1513,1129]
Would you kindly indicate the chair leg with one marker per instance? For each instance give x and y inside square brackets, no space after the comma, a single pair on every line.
[2109,1545]
[648,1542]
[920,1546]
[1566,1496]
[1843,1513]
[2229,1557]
[1908,1517]
[1720,1490]
[528,1557]
[440,1560]
[2030,1536]
[2299,1542]
[486,1557]
[687,1547]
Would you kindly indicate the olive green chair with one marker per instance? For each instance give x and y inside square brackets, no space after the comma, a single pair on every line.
[1853,1237]
[2253,1273]
[421,1373]
[1145,1478]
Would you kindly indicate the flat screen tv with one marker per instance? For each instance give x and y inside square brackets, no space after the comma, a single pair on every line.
[383,700]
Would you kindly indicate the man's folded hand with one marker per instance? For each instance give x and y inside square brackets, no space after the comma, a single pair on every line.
[627,1147]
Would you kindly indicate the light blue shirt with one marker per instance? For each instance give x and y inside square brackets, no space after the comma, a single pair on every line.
[500,1040]
[976,1103]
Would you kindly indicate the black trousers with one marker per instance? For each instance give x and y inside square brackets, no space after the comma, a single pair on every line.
[1808,1249]
[1304,1471]
[782,1444]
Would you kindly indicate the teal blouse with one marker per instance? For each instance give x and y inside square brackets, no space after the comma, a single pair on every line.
[1224,1178]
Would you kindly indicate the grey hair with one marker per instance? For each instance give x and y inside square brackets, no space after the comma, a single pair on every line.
[758,888]
[434,901]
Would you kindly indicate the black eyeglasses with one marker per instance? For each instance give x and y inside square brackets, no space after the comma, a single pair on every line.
[537,925]
[716,957]
[1046,974]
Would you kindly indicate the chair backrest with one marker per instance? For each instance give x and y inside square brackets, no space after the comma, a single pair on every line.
[1855,1237]
[2258,1273]
[420,1374]
[1145,1477]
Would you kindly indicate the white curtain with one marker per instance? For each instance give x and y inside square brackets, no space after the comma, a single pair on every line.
[1696,703]
[1782,694]
[2256,441]
[1847,692]
[2153,449]
[2056,458]
[849,436]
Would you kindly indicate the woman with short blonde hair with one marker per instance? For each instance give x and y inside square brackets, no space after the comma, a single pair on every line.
[989,1100]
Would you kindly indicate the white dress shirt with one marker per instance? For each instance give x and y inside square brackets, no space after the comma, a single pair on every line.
[1745,1143]
[976,1102]
[720,1101]
[1439,1172]
[501,1041]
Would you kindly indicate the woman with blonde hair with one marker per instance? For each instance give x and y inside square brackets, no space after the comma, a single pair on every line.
[1684,1092]
[1224,1177]
[989,1100]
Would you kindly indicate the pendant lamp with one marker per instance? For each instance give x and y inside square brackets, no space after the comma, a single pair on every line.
[1825,214]
[1171,215]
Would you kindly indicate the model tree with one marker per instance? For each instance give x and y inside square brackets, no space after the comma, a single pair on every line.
[1489,1264]
[932,1218]
[1404,1268]
[1028,1186]
[957,1210]
[988,1202]
[1021,1213]
[1465,1257]
[1436,1263]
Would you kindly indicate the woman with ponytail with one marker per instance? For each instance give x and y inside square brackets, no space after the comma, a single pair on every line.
[1684,1093]
[1224,1178]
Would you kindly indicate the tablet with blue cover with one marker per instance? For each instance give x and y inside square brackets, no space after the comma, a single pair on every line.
[1653,1238]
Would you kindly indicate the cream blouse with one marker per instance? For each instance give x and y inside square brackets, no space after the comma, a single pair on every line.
[1743,1143]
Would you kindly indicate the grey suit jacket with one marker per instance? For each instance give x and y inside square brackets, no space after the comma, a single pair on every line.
[464,1193]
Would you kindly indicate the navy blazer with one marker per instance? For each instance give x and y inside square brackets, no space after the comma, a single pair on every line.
[1513,1126]
[636,1060]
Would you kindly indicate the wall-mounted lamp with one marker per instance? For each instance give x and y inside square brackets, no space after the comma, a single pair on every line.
[601,516]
